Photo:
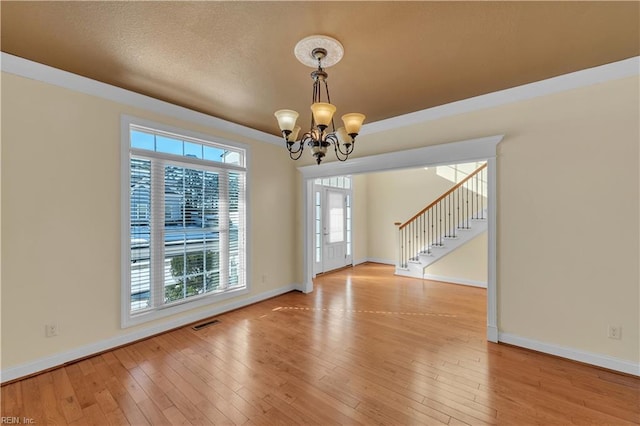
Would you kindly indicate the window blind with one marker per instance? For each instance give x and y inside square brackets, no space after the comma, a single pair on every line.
[186,222]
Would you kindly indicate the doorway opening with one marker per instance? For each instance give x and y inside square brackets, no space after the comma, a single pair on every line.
[332,217]
[479,149]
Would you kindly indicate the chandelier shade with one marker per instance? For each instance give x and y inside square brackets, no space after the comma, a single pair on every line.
[343,136]
[322,134]
[323,113]
[353,122]
[294,133]
[286,119]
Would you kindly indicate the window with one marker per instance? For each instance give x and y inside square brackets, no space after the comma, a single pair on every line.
[184,244]
[335,182]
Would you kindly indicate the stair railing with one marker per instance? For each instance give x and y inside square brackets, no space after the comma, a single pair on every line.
[442,219]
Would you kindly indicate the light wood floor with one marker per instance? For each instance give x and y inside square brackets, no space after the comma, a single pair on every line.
[364,348]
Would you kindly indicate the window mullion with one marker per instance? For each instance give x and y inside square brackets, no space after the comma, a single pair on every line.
[157,232]
[223,206]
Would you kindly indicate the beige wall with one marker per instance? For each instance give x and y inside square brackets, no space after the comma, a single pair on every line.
[568,230]
[396,196]
[467,264]
[360,222]
[61,217]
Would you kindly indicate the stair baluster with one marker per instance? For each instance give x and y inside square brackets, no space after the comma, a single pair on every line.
[443,218]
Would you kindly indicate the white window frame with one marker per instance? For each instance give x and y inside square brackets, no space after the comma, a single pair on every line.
[128,319]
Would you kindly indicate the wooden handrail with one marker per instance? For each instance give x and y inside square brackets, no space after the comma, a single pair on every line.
[440,198]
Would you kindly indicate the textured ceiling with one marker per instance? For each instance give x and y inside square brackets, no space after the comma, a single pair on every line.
[234,60]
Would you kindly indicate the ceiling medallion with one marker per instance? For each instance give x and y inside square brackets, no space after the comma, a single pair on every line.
[321,52]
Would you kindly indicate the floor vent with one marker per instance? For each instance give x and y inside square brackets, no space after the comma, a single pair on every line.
[205,324]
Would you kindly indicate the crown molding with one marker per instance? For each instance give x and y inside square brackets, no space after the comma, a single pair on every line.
[46,74]
[587,77]
[583,78]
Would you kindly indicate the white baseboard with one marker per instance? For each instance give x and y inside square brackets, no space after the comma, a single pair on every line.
[379,260]
[61,358]
[492,333]
[455,280]
[599,360]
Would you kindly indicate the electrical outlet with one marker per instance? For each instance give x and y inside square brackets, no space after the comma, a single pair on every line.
[51,329]
[615,332]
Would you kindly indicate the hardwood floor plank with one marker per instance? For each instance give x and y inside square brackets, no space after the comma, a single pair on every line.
[255,398]
[296,415]
[366,347]
[310,398]
[153,413]
[175,416]
[83,386]
[155,393]
[117,418]
[67,398]
[52,409]
[186,407]
[178,382]
[32,401]
[124,358]
[276,417]
[106,402]
[215,416]
[127,404]
[93,415]
[11,399]
[212,396]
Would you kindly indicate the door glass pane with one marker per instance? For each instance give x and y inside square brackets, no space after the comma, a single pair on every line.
[348,225]
[318,230]
[336,217]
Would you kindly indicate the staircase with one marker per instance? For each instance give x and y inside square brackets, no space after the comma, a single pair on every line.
[449,222]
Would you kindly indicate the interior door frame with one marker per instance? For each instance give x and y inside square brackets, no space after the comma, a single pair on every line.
[479,149]
[324,211]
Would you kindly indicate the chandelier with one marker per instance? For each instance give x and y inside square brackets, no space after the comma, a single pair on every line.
[318,51]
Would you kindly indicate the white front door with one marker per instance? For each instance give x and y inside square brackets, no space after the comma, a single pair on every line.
[334,229]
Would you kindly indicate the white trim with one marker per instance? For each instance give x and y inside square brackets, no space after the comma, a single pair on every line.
[583,78]
[599,360]
[434,155]
[59,359]
[125,218]
[492,334]
[373,260]
[307,237]
[454,280]
[380,260]
[44,73]
[492,250]
[587,77]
